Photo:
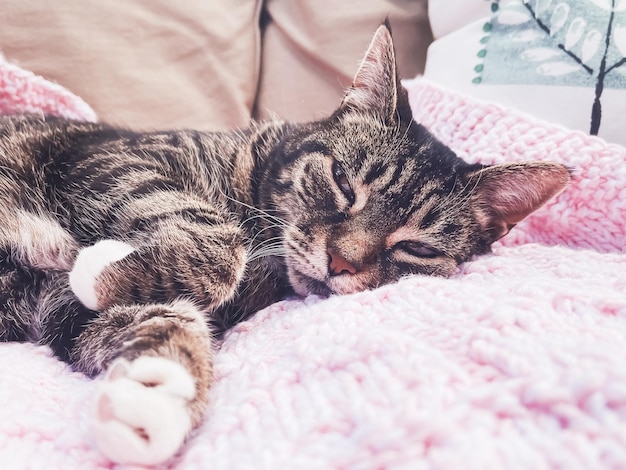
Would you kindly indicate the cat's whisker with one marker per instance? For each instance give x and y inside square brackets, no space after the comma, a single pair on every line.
[273,247]
[260,212]
[277,222]
[406,131]
[267,243]
[399,141]
[456,200]
[252,218]
[451,198]
[259,233]
[280,252]
[463,197]
[270,247]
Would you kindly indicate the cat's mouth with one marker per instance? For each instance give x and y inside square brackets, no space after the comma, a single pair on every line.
[304,284]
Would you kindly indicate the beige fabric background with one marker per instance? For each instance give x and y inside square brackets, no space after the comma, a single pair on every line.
[311,50]
[197,63]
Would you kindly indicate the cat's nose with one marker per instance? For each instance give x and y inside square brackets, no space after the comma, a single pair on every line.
[338,264]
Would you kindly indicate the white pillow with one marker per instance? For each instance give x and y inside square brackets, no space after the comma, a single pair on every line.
[551,58]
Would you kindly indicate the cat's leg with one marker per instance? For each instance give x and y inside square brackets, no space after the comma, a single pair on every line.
[157,360]
[39,241]
[29,233]
[15,292]
[35,251]
[175,246]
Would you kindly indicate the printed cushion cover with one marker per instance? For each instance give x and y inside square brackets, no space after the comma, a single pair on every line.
[561,60]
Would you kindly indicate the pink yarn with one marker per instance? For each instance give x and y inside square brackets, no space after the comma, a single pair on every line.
[515,362]
[22,91]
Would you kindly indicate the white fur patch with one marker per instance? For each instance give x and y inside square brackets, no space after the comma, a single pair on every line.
[43,243]
[141,414]
[89,263]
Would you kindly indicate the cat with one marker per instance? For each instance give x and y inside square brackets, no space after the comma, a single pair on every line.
[129,252]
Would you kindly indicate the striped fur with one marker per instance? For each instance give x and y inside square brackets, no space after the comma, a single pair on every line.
[220,225]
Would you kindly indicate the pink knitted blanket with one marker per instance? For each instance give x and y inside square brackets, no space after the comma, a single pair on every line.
[515,362]
[22,91]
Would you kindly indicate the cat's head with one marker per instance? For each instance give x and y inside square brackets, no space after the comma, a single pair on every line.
[371,196]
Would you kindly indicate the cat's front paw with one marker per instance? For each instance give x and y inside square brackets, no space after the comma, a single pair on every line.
[141,413]
[89,263]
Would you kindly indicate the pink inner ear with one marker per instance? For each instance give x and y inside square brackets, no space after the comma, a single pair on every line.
[509,193]
[374,84]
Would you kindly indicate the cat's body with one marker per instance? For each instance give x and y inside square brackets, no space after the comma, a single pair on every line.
[105,183]
[126,252]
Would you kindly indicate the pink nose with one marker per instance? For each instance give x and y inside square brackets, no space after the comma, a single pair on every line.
[337,264]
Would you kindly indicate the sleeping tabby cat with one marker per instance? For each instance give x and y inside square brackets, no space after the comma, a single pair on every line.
[128,252]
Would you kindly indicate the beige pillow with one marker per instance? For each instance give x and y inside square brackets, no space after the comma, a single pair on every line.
[311,50]
[205,63]
[142,63]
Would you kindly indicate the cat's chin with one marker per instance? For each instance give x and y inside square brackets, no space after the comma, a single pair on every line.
[305,285]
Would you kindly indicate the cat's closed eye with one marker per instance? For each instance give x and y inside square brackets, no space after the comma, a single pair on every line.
[342,182]
[419,249]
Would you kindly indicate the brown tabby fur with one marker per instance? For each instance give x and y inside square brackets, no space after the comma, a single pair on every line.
[224,224]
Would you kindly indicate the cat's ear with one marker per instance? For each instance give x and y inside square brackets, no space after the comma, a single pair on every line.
[376,87]
[506,194]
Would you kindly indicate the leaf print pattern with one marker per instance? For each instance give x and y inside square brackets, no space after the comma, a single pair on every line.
[578,43]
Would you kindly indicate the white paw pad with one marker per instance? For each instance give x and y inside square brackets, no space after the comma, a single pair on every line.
[89,263]
[141,412]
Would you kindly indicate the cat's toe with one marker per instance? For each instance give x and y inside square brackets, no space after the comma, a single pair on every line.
[141,413]
[89,263]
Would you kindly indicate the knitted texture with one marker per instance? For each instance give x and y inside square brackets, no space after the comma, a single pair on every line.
[515,362]
[590,214]
[22,91]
